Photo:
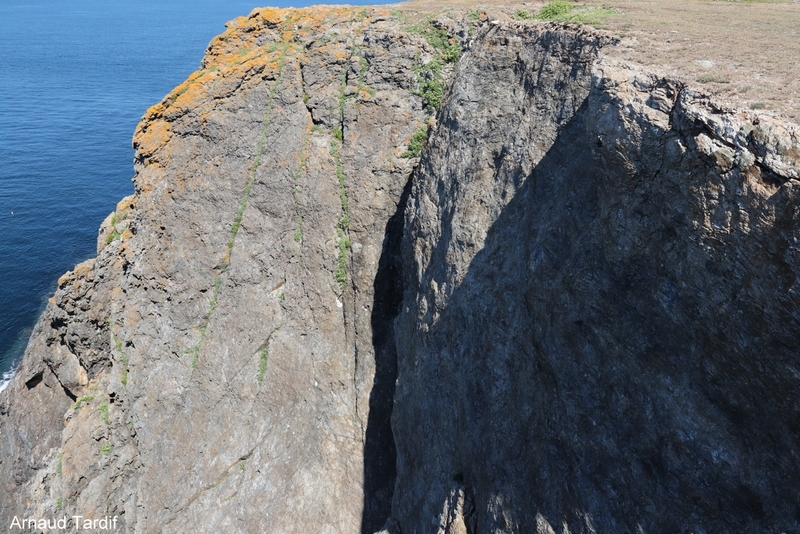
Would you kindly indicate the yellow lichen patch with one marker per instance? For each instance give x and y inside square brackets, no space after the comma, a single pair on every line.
[153,112]
[126,204]
[151,136]
[191,91]
[272,15]
[80,271]
[127,234]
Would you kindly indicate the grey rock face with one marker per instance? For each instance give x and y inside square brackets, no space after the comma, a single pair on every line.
[599,329]
[577,309]
[211,370]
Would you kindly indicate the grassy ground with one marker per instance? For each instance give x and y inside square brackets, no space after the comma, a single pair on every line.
[745,52]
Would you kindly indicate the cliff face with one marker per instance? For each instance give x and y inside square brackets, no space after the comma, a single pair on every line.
[583,293]
[600,327]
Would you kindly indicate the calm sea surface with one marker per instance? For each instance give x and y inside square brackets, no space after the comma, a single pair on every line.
[75,77]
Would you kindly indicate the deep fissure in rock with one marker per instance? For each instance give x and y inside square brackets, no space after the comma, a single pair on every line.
[379,448]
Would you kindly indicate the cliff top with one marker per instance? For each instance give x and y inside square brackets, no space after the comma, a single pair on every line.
[746,52]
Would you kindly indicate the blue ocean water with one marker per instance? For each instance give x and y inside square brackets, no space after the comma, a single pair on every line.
[75,78]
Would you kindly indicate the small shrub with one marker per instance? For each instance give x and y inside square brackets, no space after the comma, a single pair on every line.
[416,144]
[105,450]
[555,9]
[60,464]
[431,83]
[522,14]
[59,503]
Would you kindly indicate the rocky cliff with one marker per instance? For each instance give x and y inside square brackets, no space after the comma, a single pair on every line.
[574,311]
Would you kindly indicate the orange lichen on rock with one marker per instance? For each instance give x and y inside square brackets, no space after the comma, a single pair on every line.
[150,136]
[79,273]
[125,205]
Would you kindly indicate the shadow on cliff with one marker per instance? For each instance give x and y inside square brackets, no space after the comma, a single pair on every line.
[601,366]
[379,447]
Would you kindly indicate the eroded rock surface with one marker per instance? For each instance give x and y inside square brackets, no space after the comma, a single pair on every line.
[592,271]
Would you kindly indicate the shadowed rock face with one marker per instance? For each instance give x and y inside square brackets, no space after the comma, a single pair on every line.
[599,329]
[577,309]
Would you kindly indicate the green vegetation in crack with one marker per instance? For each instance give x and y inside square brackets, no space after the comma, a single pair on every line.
[237,220]
[301,167]
[262,365]
[263,356]
[103,409]
[343,243]
[430,75]
[344,219]
[85,399]
[122,356]
[416,144]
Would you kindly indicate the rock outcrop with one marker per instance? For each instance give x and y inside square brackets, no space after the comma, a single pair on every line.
[575,312]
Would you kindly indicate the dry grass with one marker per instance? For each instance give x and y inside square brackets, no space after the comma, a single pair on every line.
[746,52]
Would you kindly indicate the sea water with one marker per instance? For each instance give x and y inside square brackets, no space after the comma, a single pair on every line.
[75,78]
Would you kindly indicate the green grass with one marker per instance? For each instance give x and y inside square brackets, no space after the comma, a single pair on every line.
[113,236]
[105,450]
[301,167]
[561,11]
[712,78]
[341,266]
[430,78]
[555,10]
[124,378]
[262,365]
[431,83]
[263,355]
[82,400]
[59,503]
[298,233]
[60,464]
[123,358]
[416,143]
[438,39]
[344,219]
[103,409]
[522,14]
